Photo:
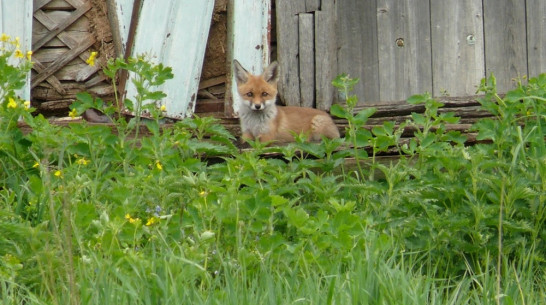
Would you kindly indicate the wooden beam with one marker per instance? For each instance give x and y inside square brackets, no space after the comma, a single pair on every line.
[306,25]
[405,65]
[505,41]
[325,54]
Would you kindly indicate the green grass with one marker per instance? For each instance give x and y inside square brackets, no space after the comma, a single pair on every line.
[88,215]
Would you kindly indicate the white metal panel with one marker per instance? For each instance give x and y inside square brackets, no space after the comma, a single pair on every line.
[124,9]
[174,33]
[16,21]
[250,38]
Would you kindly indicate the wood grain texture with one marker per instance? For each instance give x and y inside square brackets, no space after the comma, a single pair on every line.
[357,46]
[287,50]
[307,59]
[536,37]
[458,62]
[505,41]
[74,16]
[405,65]
[325,54]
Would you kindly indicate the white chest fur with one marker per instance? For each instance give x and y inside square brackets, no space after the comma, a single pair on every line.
[256,122]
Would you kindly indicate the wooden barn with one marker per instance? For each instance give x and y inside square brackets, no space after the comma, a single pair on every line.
[396,48]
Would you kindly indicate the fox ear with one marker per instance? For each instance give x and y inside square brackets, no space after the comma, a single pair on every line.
[271,73]
[241,75]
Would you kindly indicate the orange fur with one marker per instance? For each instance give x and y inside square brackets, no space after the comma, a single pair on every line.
[262,120]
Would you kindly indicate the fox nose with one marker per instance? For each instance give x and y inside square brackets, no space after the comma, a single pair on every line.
[257,106]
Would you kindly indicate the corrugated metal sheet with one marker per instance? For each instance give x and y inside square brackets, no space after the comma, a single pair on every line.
[174,33]
[250,28]
[16,21]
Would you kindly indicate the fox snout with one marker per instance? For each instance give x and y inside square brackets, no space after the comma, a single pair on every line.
[255,106]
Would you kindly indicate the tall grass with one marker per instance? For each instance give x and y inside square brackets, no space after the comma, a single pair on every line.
[92,217]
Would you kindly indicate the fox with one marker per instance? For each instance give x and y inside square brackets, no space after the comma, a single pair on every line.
[262,120]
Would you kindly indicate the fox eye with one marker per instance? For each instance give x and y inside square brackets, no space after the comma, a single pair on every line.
[265,94]
[250,94]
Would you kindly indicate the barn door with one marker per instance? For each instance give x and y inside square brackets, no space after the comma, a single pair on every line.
[306,43]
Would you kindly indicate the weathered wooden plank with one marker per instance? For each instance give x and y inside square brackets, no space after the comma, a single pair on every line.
[248,42]
[287,50]
[325,54]
[175,32]
[307,59]
[212,82]
[312,5]
[505,51]
[16,21]
[62,26]
[38,4]
[119,15]
[458,62]
[536,37]
[52,80]
[61,61]
[405,66]
[357,46]
[58,5]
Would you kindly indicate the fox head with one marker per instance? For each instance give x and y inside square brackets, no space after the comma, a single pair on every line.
[258,92]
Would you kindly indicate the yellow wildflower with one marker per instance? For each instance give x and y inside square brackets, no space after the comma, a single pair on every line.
[158,165]
[27,104]
[91,60]
[131,219]
[19,54]
[12,103]
[151,221]
[163,108]
[29,55]
[73,113]
[82,161]
[58,173]
[36,164]
[17,42]
[202,193]
[4,37]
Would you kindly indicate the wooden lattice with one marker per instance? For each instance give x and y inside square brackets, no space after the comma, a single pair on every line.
[63,39]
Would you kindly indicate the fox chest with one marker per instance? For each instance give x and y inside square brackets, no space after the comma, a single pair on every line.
[257,123]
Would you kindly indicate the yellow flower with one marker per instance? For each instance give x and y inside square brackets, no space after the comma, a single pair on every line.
[29,55]
[202,193]
[73,113]
[131,219]
[12,103]
[158,165]
[58,173]
[17,42]
[91,60]
[152,221]
[36,164]
[82,161]
[4,37]
[27,104]
[163,108]
[19,54]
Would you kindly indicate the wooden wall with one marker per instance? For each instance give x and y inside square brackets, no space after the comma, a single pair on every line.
[403,47]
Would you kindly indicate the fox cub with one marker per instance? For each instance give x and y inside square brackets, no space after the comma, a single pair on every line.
[262,120]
